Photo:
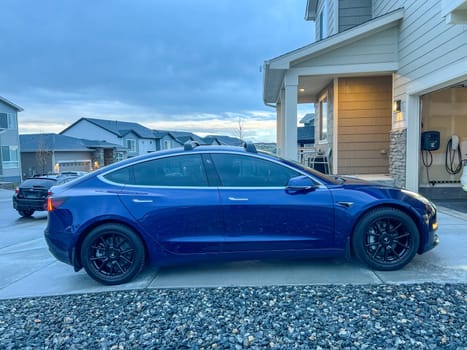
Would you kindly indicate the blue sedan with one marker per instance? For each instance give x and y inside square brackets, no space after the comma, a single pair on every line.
[207,203]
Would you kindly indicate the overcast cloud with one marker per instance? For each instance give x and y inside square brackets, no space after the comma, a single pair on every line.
[173,64]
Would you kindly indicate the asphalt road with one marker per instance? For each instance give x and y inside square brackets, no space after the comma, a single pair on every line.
[28,269]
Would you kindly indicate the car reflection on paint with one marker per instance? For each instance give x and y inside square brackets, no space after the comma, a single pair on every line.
[210,203]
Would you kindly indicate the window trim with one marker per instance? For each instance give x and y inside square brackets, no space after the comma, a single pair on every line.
[12,150]
[215,185]
[10,121]
[322,120]
[132,148]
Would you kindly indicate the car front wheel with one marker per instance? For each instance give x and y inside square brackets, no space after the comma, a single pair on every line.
[112,254]
[386,239]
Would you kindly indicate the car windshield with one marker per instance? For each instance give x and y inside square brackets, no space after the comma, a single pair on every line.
[308,170]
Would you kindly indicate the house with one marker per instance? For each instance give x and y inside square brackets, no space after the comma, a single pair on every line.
[133,137]
[55,153]
[306,133]
[380,73]
[10,165]
[166,139]
[222,140]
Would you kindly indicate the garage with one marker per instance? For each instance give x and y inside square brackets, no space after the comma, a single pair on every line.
[443,142]
[81,165]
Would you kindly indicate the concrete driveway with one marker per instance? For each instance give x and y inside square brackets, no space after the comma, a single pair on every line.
[27,268]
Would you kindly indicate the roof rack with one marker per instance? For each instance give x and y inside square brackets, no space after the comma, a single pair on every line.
[189,145]
[250,147]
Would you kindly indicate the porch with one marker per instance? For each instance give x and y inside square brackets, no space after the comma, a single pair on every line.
[349,78]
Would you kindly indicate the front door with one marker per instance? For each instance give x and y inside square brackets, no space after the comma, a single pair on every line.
[259,213]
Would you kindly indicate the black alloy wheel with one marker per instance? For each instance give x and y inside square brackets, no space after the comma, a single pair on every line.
[112,254]
[386,239]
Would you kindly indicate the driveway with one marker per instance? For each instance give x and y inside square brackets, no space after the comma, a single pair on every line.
[28,269]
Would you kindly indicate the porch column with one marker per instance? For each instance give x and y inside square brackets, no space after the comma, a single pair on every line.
[279,127]
[290,118]
[413,143]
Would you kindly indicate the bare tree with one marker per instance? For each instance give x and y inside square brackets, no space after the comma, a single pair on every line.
[43,156]
[239,132]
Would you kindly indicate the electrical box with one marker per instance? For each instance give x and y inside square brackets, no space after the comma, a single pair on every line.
[430,140]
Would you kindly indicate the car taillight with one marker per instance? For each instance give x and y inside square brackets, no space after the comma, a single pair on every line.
[17,190]
[53,203]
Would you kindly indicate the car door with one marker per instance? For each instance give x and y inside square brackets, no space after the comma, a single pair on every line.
[171,199]
[261,215]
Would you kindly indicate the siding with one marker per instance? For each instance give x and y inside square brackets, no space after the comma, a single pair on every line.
[378,48]
[364,123]
[427,43]
[331,13]
[353,13]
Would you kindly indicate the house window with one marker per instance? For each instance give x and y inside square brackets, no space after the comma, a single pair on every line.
[131,145]
[167,144]
[323,22]
[119,156]
[7,121]
[10,157]
[323,118]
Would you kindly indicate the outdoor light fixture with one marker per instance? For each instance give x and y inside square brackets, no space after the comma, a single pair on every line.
[397,106]
[301,90]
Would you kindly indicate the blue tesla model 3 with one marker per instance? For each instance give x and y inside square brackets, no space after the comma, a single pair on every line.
[207,203]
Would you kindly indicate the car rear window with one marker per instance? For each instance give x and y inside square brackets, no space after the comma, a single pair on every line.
[38,182]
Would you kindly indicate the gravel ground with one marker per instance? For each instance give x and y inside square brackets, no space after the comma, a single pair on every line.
[423,316]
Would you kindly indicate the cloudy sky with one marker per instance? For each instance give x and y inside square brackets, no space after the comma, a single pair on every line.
[168,64]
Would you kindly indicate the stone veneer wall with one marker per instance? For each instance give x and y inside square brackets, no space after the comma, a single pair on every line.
[397,156]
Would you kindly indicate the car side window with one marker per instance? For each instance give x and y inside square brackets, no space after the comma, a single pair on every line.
[184,170]
[245,171]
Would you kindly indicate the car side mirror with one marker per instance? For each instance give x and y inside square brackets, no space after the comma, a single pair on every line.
[300,184]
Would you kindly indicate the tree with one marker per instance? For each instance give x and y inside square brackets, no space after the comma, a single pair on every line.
[43,156]
[239,132]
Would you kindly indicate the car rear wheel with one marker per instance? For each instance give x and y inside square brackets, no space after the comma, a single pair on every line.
[112,254]
[386,239]
[26,213]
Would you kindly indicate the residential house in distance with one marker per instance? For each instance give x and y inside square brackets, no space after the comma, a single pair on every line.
[55,153]
[222,140]
[10,165]
[380,74]
[133,137]
[166,139]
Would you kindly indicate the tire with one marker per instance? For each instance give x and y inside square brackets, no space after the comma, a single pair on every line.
[112,254]
[26,213]
[385,239]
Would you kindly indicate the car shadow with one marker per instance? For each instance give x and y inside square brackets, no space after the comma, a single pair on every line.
[34,217]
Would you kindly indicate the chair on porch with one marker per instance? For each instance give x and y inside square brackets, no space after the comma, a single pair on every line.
[321,161]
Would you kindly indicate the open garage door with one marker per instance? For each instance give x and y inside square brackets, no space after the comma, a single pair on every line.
[444,128]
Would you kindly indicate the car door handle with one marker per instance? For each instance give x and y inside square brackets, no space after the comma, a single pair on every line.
[136,200]
[237,199]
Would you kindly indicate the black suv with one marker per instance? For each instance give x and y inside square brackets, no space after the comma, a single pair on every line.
[31,195]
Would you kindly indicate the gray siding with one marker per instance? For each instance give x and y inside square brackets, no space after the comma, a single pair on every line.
[378,48]
[353,13]
[330,6]
[427,43]
[364,123]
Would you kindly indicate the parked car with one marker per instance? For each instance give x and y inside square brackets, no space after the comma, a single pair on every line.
[31,195]
[209,203]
